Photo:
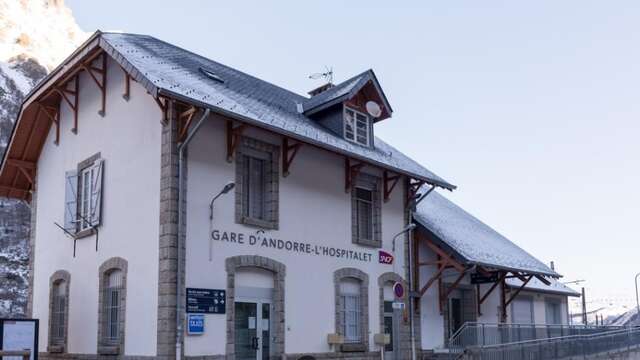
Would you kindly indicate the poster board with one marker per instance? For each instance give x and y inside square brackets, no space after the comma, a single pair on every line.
[19,334]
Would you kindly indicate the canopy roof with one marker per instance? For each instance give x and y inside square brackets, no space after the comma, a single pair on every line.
[556,287]
[166,70]
[471,240]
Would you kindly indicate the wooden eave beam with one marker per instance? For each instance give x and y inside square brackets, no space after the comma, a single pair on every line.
[445,296]
[289,152]
[389,182]
[351,172]
[94,73]
[449,259]
[233,137]
[184,122]
[163,104]
[543,280]
[54,116]
[513,296]
[430,282]
[495,284]
[21,164]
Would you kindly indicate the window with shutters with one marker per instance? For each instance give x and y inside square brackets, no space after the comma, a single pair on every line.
[58,311]
[366,211]
[83,196]
[257,177]
[112,301]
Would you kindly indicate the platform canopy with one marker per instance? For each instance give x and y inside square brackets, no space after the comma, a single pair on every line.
[465,244]
[473,241]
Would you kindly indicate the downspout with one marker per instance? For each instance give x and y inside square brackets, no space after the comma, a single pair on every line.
[413,203]
[181,147]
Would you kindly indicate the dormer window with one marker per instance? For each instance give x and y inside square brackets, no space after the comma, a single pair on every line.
[356,126]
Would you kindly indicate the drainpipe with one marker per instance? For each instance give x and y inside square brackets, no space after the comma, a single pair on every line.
[181,147]
[410,277]
[413,203]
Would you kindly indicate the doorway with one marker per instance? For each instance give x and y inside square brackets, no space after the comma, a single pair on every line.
[391,323]
[253,330]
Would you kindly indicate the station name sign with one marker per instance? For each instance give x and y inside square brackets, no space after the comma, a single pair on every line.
[299,247]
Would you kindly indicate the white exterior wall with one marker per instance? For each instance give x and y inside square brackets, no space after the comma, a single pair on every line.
[129,139]
[313,208]
[539,307]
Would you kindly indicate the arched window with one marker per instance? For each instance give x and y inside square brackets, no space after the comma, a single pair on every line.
[351,310]
[58,311]
[352,304]
[112,305]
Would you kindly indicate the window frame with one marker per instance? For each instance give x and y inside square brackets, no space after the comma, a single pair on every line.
[58,344]
[249,150]
[362,279]
[367,123]
[373,184]
[107,344]
[83,202]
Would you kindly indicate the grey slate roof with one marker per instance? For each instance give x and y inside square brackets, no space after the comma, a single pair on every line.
[472,240]
[167,69]
[556,287]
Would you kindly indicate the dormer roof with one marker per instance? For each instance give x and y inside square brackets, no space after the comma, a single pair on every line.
[344,91]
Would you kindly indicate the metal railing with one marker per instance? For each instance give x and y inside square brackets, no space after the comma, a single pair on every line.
[481,334]
[559,348]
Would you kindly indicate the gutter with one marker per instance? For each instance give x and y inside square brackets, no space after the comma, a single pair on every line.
[182,232]
[245,119]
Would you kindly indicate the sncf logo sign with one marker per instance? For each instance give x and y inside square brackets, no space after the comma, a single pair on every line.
[385,258]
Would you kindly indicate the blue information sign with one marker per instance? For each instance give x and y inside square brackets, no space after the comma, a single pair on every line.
[206,301]
[196,324]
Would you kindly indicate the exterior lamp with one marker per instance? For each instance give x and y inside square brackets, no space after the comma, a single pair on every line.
[407,228]
[637,300]
[228,187]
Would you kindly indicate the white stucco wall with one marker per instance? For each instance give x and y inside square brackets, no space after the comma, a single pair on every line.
[129,139]
[314,208]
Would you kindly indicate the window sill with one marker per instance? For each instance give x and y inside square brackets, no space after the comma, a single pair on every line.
[353,347]
[369,243]
[84,233]
[109,349]
[55,349]
[260,223]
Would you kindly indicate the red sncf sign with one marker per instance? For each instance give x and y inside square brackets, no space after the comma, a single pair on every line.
[385,258]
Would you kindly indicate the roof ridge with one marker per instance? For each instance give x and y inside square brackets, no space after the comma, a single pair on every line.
[213,61]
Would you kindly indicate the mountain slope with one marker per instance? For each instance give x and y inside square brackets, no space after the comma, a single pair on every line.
[34,36]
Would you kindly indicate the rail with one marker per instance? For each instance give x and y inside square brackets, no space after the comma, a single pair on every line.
[559,347]
[481,334]
[24,354]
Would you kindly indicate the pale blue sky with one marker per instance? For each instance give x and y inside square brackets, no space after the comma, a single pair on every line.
[531,108]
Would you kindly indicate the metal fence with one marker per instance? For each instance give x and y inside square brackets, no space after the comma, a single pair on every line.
[481,334]
[559,347]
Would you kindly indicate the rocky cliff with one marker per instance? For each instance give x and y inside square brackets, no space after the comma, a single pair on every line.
[34,37]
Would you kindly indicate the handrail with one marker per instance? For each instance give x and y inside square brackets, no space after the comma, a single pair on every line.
[25,354]
[558,347]
[480,334]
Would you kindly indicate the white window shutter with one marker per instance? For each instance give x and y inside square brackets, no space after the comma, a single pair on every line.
[71,201]
[96,194]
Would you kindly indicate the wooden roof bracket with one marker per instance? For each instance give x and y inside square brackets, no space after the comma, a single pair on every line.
[289,152]
[233,137]
[28,169]
[94,73]
[163,104]
[65,92]
[54,117]
[184,122]
[127,86]
[513,296]
[351,172]
[389,182]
